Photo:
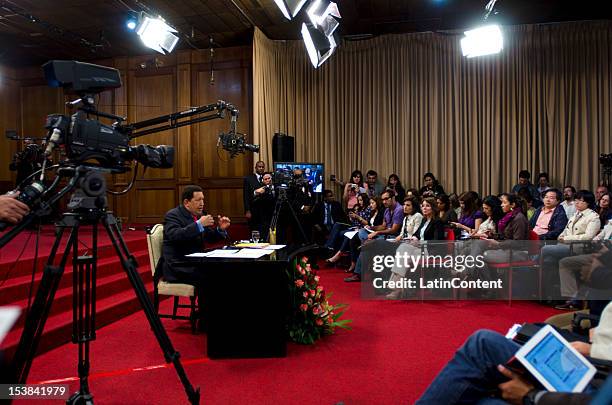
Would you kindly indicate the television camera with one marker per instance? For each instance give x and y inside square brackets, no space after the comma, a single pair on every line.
[85,139]
[92,150]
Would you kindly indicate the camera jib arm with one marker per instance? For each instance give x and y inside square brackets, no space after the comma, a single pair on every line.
[179,119]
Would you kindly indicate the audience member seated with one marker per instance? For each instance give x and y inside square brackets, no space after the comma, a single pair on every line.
[549,220]
[604,211]
[358,216]
[530,203]
[392,223]
[325,214]
[431,187]
[394,184]
[576,270]
[491,207]
[412,219]
[543,184]
[186,228]
[375,186]
[446,213]
[512,227]
[376,219]
[471,216]
[583,226]
[568,201]
[524,182]
[353,188]
[599,192]
[454,201]
[477,371]
[430,228]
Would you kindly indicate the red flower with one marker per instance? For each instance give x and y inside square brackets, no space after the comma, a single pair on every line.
[308,267]
[305,294]
[319,322]
[303,307]
[317,278]
[312,293]
[299,283]
[315,310]
[320,288]
[304,259]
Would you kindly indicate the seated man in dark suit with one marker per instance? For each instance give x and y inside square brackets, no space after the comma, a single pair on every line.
[186,227]
[325,214]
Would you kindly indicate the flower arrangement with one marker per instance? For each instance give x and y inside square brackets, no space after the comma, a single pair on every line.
[312,316]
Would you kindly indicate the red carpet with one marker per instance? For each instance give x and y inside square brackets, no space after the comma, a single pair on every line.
[393,352]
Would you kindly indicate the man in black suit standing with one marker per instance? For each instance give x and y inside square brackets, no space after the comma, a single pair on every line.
[325,214]
[251,183]
[186,228]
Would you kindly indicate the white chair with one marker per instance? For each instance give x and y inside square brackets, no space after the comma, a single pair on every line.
[155,239]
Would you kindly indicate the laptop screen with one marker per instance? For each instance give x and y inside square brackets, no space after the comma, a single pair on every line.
[557,363]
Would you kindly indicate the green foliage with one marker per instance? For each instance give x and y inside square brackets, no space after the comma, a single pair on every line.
[312,316]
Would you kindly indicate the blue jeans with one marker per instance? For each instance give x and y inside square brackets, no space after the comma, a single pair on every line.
[333,240]
[471,375]
[363,236]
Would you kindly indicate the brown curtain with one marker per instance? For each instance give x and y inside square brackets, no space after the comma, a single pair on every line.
[411,103]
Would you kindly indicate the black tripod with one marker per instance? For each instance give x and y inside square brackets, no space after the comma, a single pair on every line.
[281,201]
[87,207]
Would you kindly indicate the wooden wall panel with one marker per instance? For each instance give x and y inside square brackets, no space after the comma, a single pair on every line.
[151,204]
[174,83]
[37,102]
[9,119]
[151,96]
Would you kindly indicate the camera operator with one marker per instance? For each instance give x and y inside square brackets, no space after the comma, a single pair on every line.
[300,196]
[27,161]
[12,210]
[262,206]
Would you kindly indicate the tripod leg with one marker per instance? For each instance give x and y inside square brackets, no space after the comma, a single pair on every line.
[299,224]
[130,266]
[39,312]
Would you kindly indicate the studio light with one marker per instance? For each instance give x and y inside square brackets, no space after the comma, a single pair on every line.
[485,40]
[290,8]
[132,21]
[482,41]
[318,45]
[157,35]
[321,10]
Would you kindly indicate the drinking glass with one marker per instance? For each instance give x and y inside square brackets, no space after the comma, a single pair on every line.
[255,236]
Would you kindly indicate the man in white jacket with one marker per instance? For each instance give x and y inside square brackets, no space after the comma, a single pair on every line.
[582,227]
[574,269]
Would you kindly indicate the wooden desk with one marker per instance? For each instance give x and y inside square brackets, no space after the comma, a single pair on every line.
[246,302]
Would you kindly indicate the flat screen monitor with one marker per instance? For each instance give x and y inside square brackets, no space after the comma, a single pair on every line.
[313,172]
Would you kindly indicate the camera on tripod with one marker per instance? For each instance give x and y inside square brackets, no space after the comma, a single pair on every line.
[87,139]
[106,148]
[605,159]
[285,179]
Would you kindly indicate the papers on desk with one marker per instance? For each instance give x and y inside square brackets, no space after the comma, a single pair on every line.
[215,253]
[234,254]
[265,246]
[252,253]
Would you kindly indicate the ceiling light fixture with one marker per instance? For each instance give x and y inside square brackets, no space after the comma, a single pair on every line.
[319,34]
[486,40]
[290,8]
[156,34]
